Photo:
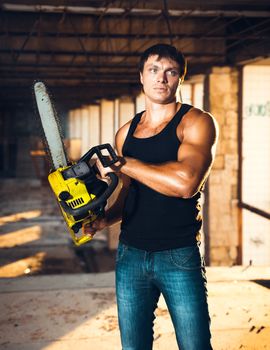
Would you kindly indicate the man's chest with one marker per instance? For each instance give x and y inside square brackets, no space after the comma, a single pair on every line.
[144,130]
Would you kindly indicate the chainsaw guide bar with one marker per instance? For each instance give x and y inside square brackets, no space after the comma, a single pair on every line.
[51,128]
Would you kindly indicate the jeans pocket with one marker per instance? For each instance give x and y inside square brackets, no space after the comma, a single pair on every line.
[187,258]
[120,251]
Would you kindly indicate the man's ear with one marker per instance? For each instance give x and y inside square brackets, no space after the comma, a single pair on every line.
[141,78]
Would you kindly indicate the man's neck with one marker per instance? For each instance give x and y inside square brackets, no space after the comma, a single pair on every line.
[156,113]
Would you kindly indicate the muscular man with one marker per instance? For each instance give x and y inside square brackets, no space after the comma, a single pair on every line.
[166,155]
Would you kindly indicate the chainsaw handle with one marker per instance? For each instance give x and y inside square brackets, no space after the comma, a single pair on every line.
[97,150]
[91,205]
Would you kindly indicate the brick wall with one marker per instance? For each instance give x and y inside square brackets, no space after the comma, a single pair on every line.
[223,210]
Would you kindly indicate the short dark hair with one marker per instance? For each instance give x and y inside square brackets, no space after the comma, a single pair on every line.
[165,51]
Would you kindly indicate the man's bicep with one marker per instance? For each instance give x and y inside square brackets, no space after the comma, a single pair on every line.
[196,160]
[120,138]
[119,142]
[196,152]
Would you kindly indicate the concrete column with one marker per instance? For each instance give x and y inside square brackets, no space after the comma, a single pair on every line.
[71,122]
[74,147]
[126,110]
[198,95]
[223,212]
[94,125]
[184,94]
[107,121]
[140,103]
[116,115]
[77,121]
[85,129]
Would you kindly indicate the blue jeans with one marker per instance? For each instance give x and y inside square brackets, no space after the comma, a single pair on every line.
[179,275]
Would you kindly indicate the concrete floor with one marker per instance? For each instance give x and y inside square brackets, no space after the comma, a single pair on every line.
[49,302]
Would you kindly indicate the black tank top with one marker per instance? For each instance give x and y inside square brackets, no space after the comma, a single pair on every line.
[152,221]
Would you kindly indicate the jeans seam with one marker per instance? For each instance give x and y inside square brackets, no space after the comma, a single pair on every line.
[124,249]
[185,261]
[144,263]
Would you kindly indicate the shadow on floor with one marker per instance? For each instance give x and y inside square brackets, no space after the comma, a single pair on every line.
[264,283]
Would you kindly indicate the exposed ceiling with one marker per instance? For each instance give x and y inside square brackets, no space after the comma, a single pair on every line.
[85,50]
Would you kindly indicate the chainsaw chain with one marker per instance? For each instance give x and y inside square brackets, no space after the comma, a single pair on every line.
[43,138]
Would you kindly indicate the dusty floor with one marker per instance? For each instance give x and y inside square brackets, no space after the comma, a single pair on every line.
[49,302]
[34,239]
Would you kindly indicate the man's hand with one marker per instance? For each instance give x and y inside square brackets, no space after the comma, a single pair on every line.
[92,227]
[114,168]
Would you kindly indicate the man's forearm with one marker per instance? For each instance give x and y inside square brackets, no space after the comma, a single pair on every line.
[113,215]
[170,178]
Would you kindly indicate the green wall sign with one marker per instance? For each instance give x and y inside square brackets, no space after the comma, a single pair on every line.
[257,110]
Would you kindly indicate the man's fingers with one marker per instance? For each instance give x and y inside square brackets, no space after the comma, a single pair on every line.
[100,168]
[103,171]
[88,229]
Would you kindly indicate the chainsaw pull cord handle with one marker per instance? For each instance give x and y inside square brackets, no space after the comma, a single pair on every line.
[112,176]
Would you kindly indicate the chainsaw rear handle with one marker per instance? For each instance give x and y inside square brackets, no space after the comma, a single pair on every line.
[95,203]
[97,150]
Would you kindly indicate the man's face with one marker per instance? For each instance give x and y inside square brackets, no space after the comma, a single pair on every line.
[160,79]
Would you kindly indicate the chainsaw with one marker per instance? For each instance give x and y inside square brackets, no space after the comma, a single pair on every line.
[81,195]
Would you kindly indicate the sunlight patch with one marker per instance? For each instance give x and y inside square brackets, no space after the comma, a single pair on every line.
[20,237]
[19,216]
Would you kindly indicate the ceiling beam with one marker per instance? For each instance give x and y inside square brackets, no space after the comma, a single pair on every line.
[70,96]
[104,53]
[198,11]
[142,36]
[53,65]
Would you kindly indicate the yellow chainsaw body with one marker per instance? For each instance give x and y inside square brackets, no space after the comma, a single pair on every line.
[79,196]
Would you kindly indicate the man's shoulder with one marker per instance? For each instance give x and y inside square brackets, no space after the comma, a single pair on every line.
[198,123]
[121,136]
[196,116]
[123,129]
